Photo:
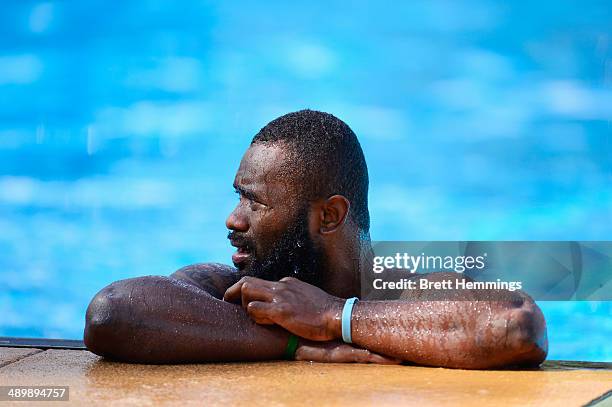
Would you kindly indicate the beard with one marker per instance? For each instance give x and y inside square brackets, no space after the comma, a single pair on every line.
[294,254]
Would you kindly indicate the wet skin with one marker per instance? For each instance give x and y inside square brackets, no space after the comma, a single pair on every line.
[265,208]
[212,312]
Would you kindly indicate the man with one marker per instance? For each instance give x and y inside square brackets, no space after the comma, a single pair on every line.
[301,230]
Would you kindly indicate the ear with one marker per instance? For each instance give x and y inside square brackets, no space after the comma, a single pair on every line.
[334,212]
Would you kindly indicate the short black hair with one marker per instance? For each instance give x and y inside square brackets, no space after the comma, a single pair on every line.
[327,156]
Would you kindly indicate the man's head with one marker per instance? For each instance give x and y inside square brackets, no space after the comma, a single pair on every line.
[303,186]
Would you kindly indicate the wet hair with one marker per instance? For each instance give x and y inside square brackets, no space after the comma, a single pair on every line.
[326,156]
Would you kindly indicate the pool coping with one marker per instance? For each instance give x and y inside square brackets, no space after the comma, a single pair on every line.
[92,376]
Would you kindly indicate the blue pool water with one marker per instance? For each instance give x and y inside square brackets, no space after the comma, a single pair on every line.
[121,129]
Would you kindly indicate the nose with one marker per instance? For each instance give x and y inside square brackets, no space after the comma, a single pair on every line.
[237,221]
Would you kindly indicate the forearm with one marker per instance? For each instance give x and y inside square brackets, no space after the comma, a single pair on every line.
[158,319]
[465,334]
[474,330]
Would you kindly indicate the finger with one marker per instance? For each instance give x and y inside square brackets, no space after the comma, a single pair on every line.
[256,290]
[366,356]
[383,360]
[347,353]
[232,294]
[312,354]
[360,355]
[260,311]
[326,354]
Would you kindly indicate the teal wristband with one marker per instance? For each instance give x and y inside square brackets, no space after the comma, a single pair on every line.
[347,313]
[292,345]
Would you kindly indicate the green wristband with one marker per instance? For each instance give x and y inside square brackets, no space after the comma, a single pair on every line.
[292,345]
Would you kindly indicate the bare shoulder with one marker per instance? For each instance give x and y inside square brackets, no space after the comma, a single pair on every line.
[213,278]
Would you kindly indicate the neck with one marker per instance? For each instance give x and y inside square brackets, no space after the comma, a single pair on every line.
[348,259]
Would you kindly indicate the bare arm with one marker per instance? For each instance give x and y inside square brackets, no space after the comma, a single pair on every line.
[156,319]
[463,332]
[182,318]
[469,334]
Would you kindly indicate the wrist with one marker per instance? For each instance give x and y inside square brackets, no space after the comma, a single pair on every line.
[334,318]
[347,319]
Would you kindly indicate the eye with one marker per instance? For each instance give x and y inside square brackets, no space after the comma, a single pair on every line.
[254,205]
[250,200]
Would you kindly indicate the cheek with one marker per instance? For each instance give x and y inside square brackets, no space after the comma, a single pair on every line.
[267,226]
[314,224]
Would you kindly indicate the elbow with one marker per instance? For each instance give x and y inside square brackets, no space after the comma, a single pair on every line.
[102,322]
[526,337]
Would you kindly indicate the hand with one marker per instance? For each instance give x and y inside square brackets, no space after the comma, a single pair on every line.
[301,308]
[338,352]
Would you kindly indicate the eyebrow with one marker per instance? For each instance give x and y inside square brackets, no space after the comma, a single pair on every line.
[246,193]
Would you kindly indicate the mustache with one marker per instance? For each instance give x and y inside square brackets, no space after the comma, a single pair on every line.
[238,239]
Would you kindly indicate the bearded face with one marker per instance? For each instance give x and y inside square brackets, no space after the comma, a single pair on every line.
[269,226]
[293,254]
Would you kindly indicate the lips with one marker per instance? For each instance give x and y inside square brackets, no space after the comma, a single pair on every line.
[241,256]
[243,251]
